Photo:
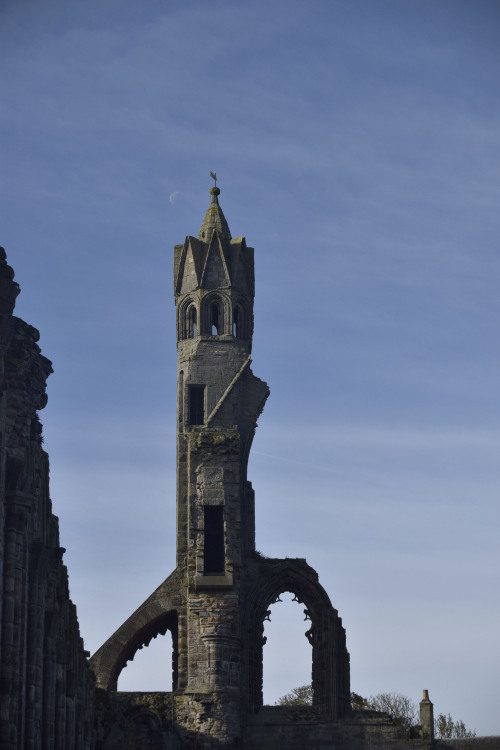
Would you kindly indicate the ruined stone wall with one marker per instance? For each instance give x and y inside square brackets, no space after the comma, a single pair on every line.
[469,743]
[208,708]
[302,728]
[46,690]
[136,721]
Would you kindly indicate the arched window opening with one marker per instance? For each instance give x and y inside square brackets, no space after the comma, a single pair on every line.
[192,321]
[287,653]
[151,668]
[239,322]
[215,319]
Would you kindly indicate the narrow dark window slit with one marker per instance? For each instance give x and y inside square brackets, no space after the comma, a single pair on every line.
[196,404]
[214,541]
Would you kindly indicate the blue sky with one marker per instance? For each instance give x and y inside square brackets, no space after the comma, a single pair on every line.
[357,149]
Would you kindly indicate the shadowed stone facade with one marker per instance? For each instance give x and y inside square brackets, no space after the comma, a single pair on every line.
[46,689]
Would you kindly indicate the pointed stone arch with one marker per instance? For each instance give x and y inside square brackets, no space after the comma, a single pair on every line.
[241,320]
[330,659]
[187,318]
[214,313]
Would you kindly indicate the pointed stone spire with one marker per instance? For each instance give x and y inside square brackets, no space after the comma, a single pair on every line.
[214,220]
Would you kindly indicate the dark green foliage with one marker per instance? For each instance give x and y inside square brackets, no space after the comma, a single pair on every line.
[358,703]
[299,696]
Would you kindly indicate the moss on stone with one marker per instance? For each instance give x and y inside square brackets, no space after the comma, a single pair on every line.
[160,703]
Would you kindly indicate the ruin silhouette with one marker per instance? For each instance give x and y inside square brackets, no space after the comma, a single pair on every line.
[216,600]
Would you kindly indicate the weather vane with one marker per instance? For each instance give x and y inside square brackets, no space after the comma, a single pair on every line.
[213,175]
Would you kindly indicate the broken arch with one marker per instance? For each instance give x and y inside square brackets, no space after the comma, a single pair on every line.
[330,659]
[137,632]
[287,653]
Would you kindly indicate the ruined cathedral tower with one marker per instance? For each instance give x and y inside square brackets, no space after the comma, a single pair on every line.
[216,600]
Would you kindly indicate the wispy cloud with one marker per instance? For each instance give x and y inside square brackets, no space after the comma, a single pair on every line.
[358,151]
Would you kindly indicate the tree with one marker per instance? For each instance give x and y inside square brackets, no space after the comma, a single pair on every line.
[446,728]
[303,696]
[358,703]
[400,708]
[299,696]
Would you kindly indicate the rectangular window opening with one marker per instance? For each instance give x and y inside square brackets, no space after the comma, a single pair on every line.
[213,561]
[196,404]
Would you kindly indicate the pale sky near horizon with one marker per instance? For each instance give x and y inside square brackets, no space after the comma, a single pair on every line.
[357,146]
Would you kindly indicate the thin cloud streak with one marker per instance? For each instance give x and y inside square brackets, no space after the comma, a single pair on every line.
[358,153]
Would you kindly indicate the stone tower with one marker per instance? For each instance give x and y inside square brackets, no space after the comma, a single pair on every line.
[216,600]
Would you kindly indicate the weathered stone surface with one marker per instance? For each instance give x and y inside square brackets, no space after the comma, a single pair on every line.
[135,721]
[46,689]
[221,590]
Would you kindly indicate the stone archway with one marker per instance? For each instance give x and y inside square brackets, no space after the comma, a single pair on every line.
[330,659]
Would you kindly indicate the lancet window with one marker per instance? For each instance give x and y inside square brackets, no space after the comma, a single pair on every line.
[213,315]
[192,320]
[215,319]
[187,321]
[239,322]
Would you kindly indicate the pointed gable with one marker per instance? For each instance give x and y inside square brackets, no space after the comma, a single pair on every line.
[188,264]
[216,272]
[213,259]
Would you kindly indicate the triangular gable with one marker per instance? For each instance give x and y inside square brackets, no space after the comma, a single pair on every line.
[189,265]
[216,271]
